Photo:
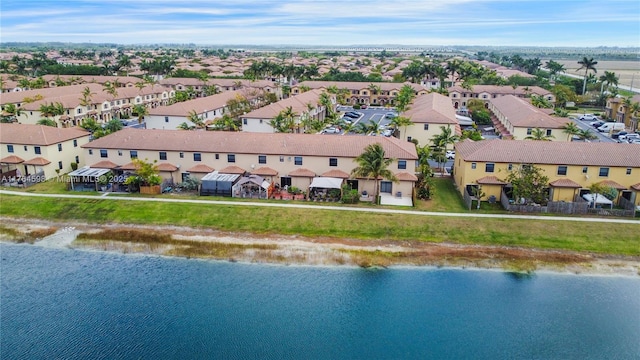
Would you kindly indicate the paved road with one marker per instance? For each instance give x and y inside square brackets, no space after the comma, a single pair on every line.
[339,208]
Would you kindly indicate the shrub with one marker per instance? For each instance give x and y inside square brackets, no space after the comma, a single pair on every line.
[349,195]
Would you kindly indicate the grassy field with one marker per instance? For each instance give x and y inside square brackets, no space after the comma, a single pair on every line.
[623,69]
[593,237]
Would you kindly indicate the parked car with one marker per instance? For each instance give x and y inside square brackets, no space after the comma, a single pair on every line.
[588,117]
[331,130]
[387,132]
[628,138]
[611,126]
[597,124]
[364,106]
[617,135]
[451,154]
[390,115]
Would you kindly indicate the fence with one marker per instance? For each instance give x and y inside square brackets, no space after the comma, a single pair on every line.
[578,207]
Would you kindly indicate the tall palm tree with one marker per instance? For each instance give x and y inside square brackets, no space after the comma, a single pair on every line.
[445,137]
[372,164]
[609,78]
[570,129]
[587,64]
[554,68]
[141,111]
[538,134]
[195,119]
[401,122]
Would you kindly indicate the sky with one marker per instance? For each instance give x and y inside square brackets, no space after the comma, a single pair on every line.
[563,23]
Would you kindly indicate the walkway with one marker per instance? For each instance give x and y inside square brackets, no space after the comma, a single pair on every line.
[316,207]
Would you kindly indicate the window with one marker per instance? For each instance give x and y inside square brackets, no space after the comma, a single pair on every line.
[166,119]
[548,132]
[285,181]
[262,159]
[281,158]
[104,153]
[529,131]
[489,167]
[75,143]
[37,150]
[426,126]
[119,152]
[231,158]
[562,170]
[585,169]
[244,121]
[59,147]
[197,157]
[333,161]
[298,160]
[473,166]
[628,171]
[90,151]
[402,164]
[60,165]
[25,148]
[133,154]
[510,167]
[163,155]
[10,148]
[604,172]
[77,159]
[385,187]
[181,155]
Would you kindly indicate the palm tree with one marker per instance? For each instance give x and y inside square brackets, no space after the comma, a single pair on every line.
[401,121]
[372,164]
[587,64]
[540,102]
[570,129]
[113,125]
[289,117]
[586,134]
[195,119]
[445,137]
[11,111]
[609,78]
[47,122]
[554,68]
[538,134]
[141,111]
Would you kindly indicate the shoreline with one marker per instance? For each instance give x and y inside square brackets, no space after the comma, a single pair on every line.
[187,242]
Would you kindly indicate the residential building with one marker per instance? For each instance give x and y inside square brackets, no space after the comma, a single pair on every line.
[516,118]
[31,149]
[289,159]
[380,94]
[460,96]
[304,106]
[429,113]
[206,108]
[619,109]
[570,166]
[221,85]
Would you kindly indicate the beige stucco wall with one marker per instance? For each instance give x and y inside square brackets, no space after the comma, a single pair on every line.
[283,164]
[465,175]
[51,153]
[520,133]
[417,131]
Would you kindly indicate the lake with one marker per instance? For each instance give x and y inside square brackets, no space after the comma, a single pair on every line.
[76,304]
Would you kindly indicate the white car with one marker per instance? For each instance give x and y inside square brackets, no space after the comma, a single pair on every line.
[331,130]
[628,138]
[387,133]
[588,117]
[451,154]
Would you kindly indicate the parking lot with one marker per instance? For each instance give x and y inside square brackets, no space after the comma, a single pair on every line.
[585,124]
[375,114]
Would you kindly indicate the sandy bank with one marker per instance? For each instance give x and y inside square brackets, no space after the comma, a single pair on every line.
[245,247]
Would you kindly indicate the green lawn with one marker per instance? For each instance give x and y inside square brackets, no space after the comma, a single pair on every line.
[594,237]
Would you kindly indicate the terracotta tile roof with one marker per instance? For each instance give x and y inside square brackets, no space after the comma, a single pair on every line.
[636,186]
[12,159]
[166,167]
[298,104]
[549,152]
[336,173]
[129,166]
[251,143]
[45,93]
[490,180]
[565,183]
[354,85]
[612,184]
[522,114]
[201,168]
[265,171]
[302,172]
[432,108]
[24,134]
[199,105]
[405,176]
[38,161]
[232,170]
[104,164]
